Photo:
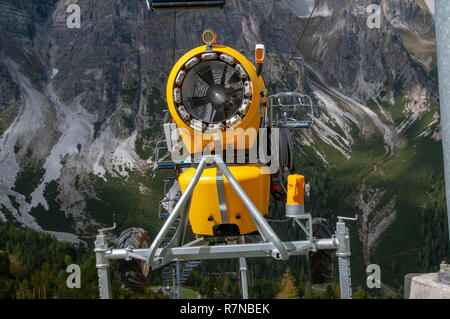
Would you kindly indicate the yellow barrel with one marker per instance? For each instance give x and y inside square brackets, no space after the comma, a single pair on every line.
[295,198]
[296,189]
[204,212]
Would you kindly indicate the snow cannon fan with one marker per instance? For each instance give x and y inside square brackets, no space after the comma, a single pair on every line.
[216,96]
[211,90]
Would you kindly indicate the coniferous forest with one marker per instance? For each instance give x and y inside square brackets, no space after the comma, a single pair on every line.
[33,266]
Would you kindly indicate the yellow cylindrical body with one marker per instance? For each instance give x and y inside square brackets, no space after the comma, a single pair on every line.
[204,211]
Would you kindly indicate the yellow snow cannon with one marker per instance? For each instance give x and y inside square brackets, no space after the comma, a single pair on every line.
[217,99]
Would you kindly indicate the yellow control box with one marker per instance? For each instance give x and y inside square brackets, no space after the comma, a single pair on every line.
[295,190]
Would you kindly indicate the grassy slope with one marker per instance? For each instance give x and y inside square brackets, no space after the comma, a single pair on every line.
[124,199]
[415,176]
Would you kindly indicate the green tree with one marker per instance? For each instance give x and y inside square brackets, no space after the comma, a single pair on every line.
[210,290]
[226,287]
[6,291]
[309,293]
[287,288]
[329,293]
[360,293]
[4,264]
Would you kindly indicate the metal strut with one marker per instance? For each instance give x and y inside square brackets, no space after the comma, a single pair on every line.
[174,214]
[102,263]
[243,270]
[343,253]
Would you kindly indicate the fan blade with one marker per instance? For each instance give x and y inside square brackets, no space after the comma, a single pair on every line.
[224,74]
[234,78]
[235,91]
[198,101]
[206,75]
[220,114]
[213,115]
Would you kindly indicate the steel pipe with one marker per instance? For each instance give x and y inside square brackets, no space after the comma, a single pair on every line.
[327,243]
[244,284]
[442,18]
[192,252]
[174,214]
[263,226]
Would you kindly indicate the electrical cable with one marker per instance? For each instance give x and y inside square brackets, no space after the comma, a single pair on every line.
[284,71]
[304,30]
[285,160]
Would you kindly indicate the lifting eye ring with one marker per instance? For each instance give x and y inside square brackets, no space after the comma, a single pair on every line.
[208,36]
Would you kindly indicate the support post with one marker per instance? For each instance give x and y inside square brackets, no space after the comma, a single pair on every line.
[442,21]
[244,283]
[102,264]
[174,214]
[178,279]
[343,254]
[243,270]
[173,292]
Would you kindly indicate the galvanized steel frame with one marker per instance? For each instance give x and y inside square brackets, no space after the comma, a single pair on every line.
[176,250]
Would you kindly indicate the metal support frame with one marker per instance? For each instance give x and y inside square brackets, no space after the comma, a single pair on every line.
[176,250]
[102,263]
[442,18]
[178,278]
[243,270]
[173,291]
[343,253]
[158,5]
[307,229]
[266,232]
[178,207]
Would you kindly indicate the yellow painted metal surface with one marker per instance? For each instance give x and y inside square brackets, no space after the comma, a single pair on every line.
[295,190]
[205,202]
[196,143]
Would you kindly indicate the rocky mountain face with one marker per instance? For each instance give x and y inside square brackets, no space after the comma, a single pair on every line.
[81,108]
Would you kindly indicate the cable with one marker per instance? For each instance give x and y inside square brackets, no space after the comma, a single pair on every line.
[304,30]
[277,208]
[300,39]
[285,164]
[286,149]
